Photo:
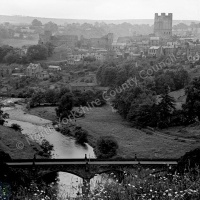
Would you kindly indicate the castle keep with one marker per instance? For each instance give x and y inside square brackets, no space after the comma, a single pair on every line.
[163,25]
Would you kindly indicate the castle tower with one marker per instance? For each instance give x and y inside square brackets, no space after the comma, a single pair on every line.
[163,25]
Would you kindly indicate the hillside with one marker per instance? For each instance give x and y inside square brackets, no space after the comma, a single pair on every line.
[9,141]
[28,20]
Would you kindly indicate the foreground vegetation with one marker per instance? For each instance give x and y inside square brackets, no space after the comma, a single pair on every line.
[145,185]
[137,184]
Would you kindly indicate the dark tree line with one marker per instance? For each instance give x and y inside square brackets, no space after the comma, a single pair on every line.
[114,74]
[142,107]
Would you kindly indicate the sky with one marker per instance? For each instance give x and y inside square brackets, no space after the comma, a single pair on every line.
[102,9]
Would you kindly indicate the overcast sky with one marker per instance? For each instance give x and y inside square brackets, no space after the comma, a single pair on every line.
[101,9]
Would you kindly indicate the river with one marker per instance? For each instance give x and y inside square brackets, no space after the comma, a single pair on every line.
[37,128]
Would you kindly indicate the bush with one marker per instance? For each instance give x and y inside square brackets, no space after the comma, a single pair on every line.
[2,121]
[81,136]
[16,127]
[46,147]
[65,130]
[106,147]
[190,160]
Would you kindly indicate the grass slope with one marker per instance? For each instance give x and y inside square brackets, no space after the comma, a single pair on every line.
[103,122]
[9,140]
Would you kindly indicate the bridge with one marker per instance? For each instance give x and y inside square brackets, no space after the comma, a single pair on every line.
[84,168]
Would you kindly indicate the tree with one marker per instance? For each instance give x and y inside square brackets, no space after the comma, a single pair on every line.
[4,50]
[65,106]
[142,111]
[106,147]
[81,136]
[36,22]
[162,80]
[166,107]
[192,105]
[109,76]
[3,116]
[50,48]
[181,79]
[191,160]
[37,99]
[37,52]
[12,57]
[63,91]
[51,96]
[16,127]
[50,26]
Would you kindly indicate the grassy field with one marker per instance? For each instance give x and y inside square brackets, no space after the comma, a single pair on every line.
[190,132]
[11,142]
[44,112]
[102,122]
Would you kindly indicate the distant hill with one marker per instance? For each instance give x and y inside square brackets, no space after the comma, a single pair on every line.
[27,20]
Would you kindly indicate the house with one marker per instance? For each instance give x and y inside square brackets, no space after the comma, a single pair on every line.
[154,41]
[42,75]
[155,51]
[118,46]
[19,75]
[169,50]
[54,68]
[33,69]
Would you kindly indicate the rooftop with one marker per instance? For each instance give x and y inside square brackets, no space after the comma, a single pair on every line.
[154,47]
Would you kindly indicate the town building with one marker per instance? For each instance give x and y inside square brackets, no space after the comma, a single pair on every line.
[155,51]
[54,68]
[154,41]
[103,42]
[33,69]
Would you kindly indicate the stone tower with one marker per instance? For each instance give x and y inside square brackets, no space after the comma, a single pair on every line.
[163,25]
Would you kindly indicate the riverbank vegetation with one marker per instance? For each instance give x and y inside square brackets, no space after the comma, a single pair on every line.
[77,132]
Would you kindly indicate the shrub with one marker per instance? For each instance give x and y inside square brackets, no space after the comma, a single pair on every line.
[2,121]
[46,147]
[81,136]
[190,160]
[16,127]
[106,147]
[65,130]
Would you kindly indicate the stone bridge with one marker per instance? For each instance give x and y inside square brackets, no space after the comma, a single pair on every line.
[84,168]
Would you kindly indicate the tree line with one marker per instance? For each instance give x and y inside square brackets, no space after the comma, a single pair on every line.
[142,107]
[9,54]
[113,74]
